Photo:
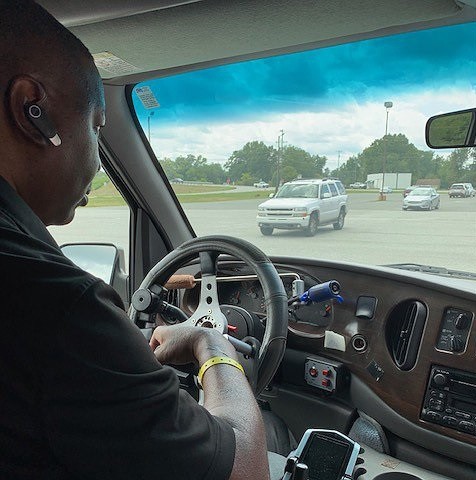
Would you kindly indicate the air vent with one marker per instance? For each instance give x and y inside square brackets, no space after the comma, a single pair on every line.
[404,330]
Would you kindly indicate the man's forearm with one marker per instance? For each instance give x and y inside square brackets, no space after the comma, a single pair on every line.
[227,392]
[229,396]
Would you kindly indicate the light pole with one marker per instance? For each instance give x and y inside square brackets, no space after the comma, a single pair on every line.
[151,114]
[280,152]
[388,106]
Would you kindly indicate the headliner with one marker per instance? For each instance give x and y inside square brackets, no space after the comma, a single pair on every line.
[161,37]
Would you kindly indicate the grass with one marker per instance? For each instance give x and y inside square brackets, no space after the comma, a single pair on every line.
[106,201]
[106,195]
[99,180]
[223,197]
[183,189]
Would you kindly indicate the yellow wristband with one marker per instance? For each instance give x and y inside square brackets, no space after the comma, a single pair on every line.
[217,361]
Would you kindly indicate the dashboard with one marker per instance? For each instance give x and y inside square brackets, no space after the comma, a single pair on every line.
[241,288]
[370,325]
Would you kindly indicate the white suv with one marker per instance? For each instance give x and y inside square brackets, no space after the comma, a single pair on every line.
[304,205]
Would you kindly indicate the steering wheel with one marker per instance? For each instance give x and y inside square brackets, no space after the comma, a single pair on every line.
[208,312]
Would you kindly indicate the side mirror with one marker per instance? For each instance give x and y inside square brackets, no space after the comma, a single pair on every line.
[103,260]
[326,195]
[271,195]
[452,130]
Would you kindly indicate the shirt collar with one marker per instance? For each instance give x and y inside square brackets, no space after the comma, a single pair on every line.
[19,211]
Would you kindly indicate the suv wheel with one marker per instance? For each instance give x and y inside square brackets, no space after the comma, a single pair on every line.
[311,230]
[340,220]
[266,230]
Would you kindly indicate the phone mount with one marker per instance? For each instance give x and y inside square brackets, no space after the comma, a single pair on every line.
[323,455]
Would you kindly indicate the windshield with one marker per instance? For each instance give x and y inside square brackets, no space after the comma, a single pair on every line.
[420,193]
[354,113]
[297,191]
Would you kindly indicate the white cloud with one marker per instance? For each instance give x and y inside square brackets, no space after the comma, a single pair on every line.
[348,129]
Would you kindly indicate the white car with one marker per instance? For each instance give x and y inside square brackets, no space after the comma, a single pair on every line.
[422,199]
[261,184]
[471,189]
[304,205]
[358,185]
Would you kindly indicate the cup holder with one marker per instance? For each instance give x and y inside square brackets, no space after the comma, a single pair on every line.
[396,476]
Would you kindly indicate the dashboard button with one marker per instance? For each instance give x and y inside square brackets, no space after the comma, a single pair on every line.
[433,416]
[451,421]
[466,416]
[456,344]
[466,427]
[435,403]
[462,321]
[313,372]
[440,379]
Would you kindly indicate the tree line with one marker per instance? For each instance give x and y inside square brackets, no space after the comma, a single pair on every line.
[257,161]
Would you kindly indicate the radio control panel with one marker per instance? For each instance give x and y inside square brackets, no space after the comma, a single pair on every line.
[450,399]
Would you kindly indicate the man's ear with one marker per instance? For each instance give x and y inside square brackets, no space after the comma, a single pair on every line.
[23,92]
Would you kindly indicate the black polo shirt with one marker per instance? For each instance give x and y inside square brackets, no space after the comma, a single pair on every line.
[81,394]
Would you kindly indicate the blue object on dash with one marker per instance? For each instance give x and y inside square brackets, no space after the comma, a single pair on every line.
[322,292]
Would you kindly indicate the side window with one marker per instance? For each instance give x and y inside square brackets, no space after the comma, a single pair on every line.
[324,189]
[333,189]
[105,219]
[340,188]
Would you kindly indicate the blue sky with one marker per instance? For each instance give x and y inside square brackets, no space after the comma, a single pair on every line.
[326,100]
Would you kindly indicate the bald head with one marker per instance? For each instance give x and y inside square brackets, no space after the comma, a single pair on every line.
[32,41]
[42,64]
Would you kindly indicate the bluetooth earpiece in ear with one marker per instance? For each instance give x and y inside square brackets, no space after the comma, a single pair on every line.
[41,121]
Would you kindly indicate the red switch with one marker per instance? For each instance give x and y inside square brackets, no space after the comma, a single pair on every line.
[313,372]
[232,328]
[326,373]
[326,382]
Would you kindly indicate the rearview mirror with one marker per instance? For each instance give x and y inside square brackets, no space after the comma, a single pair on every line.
[452,130]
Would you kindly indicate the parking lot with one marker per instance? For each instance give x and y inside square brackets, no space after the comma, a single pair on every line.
[375,232]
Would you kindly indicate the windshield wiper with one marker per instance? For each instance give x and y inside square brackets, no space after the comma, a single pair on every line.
[444,272]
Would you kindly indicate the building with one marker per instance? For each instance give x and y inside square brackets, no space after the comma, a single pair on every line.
[392,180]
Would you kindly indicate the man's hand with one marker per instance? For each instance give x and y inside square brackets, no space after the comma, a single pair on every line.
[178,344]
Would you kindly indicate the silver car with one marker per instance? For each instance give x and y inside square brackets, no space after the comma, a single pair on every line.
[422,199]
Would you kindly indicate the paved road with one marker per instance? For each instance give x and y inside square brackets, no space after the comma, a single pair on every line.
[374,232]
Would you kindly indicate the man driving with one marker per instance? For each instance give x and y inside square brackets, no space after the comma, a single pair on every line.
[82,394]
